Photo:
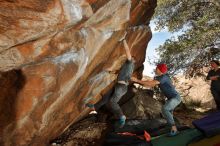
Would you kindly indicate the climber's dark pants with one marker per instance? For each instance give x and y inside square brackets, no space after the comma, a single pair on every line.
[216,95]
[104,100]
[112,98]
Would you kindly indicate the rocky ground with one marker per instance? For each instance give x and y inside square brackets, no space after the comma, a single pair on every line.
[93,129]
[87,132]
[90,132]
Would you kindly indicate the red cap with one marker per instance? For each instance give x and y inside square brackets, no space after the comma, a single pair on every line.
[162,68]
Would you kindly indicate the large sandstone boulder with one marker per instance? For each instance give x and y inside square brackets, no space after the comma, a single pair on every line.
[55,53]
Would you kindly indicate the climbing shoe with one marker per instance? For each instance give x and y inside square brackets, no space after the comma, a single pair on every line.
[173,133]
[89,105]
[92,108]
[122,120]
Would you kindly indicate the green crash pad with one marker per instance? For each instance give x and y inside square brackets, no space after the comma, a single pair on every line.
[211,141]
[182,139]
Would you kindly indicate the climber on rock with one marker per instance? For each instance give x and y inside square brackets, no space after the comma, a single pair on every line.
[164,82]
[111,99]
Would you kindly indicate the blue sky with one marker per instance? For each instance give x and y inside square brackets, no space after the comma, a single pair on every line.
[158,38]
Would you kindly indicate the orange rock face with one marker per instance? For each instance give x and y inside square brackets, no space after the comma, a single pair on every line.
[54,57]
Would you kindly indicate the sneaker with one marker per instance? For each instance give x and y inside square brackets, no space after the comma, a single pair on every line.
[173,133]
[93,112]
[122,121]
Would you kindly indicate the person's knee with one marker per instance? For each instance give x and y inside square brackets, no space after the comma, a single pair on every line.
[164,112]
[113,104]
[165,109]
[113,101]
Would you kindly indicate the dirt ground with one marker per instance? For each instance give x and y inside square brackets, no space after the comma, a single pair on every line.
[87,132]
[186,117]
[90,132]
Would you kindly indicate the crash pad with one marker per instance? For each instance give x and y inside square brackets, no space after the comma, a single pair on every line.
[211,141]
[209,125]
[182,139]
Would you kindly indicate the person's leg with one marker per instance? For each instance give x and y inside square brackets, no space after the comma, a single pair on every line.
[95,107]
[167,111]
[216,96]
[119,91]
[104,100]
[218,101]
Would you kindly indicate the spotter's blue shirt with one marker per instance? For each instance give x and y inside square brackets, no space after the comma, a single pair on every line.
[166,86]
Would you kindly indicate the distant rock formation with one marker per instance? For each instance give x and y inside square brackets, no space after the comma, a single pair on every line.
[195,92]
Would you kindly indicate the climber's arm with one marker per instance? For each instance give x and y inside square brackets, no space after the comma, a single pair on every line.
[148,83]
[127,50]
